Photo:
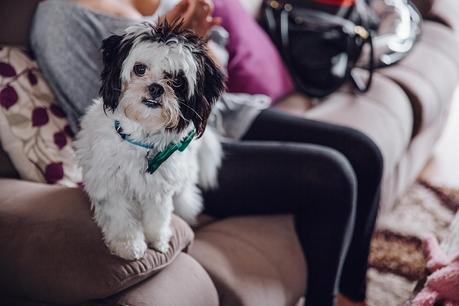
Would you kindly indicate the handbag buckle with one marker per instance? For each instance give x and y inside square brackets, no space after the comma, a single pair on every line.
[274,4]
[362,32]
[277,5]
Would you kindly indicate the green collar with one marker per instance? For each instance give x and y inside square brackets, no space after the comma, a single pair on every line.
[155,162]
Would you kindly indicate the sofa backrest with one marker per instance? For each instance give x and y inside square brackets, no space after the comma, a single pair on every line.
[15,19]
[7,169]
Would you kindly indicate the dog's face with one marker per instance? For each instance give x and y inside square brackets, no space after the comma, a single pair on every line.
[161,77]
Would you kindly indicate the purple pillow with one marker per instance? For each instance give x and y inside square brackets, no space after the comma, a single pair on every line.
[255,66]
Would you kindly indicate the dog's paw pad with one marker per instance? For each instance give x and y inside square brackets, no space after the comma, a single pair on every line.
[128,249]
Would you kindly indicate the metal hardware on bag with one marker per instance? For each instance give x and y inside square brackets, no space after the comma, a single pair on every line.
[274,4]
[277,5]
[362,32]
[299,20]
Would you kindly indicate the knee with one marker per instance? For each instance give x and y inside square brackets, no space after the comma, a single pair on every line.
[365,156]
[338,182]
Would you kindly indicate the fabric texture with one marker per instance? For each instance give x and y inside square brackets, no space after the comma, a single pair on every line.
[233,253]
[432,83]
[255,66]
[397,261]
[7,169]
[52,250]
[446,12]
[443,282]
[33,129]
[16,26]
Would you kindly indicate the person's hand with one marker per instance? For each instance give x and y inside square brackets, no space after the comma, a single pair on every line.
[195,15]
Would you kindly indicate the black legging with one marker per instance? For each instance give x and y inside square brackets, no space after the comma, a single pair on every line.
[328,176]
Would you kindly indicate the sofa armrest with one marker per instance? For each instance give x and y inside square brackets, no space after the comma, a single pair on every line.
[51,250]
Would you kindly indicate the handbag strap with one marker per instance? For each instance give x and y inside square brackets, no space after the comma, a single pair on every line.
[358,84]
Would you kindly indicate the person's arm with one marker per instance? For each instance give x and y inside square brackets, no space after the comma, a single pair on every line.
[146,7]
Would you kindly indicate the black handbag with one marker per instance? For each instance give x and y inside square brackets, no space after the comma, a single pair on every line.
[321,47]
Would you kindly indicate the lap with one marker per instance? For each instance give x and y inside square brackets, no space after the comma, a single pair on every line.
[363,154]
[261,177]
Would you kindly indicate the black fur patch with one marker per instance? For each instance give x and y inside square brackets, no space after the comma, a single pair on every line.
[114,52]
[210,83]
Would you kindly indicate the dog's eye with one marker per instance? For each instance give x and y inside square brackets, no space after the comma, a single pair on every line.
[139,69]
[178,81]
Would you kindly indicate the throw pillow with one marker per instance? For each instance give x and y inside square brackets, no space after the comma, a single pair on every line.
[33,129]
[254,66]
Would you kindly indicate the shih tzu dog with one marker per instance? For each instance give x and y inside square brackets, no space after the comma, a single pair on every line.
[158,88]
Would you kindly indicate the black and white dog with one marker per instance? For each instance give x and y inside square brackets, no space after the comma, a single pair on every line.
[158,88]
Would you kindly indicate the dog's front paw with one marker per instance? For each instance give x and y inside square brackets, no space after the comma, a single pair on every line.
[160,246]
[160,241]
[129,249]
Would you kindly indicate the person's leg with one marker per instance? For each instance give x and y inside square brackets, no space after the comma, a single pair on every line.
[315,184]
[367,162]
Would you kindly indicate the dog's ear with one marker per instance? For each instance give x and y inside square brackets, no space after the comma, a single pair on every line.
[214,84]
[210,85]
[113,58]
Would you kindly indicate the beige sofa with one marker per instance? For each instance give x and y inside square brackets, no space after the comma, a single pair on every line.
[239,261]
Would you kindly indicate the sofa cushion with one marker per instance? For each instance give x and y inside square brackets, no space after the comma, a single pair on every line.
[51,250]
[436,68]
[16,17]
[446,12]
[185,283]
[383,113]
[253,260]
[429,74]
[255,65]
[442,39]
[33,129]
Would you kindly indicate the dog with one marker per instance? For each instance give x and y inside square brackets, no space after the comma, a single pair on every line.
[159,84]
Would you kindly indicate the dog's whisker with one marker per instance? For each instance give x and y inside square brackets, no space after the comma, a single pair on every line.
[184,119]
[199,116]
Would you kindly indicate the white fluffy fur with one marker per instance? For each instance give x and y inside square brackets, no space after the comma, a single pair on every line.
[132,207]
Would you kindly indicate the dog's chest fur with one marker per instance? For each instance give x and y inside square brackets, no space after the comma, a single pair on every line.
[102,151]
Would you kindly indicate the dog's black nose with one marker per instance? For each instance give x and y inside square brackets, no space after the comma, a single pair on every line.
[155,90]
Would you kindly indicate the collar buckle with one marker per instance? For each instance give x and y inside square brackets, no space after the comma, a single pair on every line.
[155,162]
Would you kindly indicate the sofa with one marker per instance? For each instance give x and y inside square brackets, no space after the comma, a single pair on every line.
[52,253]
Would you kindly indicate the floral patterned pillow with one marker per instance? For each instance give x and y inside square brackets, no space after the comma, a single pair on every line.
[33,129]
